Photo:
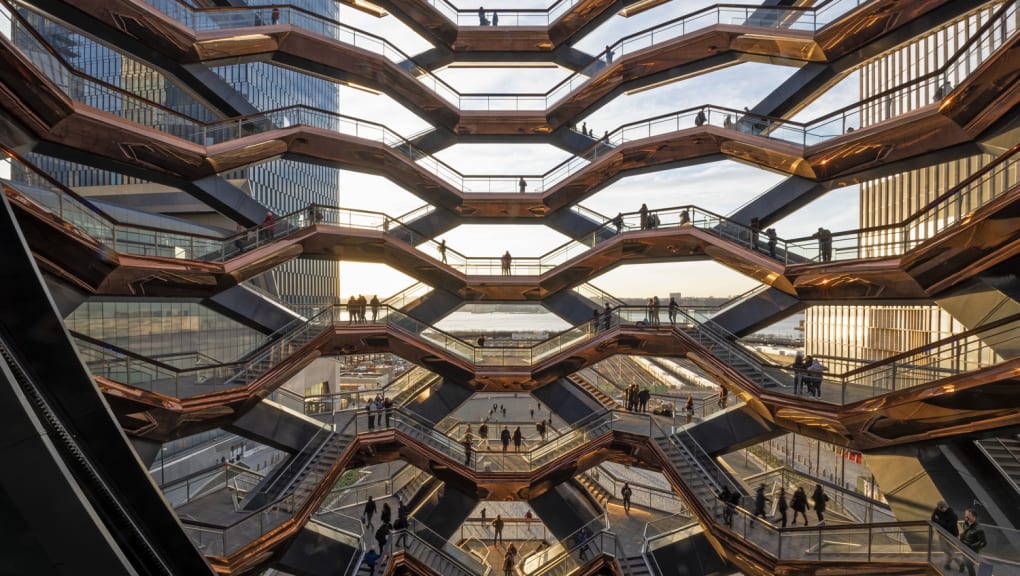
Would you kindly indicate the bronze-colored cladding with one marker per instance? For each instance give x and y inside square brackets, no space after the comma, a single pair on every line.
[335,60]
[981,239]
[978,401]
[68,252]
[864,25]
[919,132]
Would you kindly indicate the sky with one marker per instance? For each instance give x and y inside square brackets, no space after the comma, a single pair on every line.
[720,187]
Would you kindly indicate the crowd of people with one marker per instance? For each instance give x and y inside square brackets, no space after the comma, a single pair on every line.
[358,307]
[379,409]
[387,526]
[484,20]
[807,375]
[798,502]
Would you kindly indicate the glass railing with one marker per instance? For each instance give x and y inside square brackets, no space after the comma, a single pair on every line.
[218,18]
[224,541]
[661,499]
[345,529]
[657,529]
[87,90]
[408,296]
[439,553]
[357,494]
[867,543]
[209,19]
[966,352]
[502,16]
[855,506]
[569,554]
[751,16]
[802,134]
[196,485]
[140,372]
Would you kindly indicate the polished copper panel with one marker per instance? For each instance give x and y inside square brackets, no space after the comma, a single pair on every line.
[982,239]
[988,93]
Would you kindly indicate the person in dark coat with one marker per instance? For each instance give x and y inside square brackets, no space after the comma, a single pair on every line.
[504,437]
[799,504]
[727,499]
[944,516]
[759,501]
[782,507]
[972,537]
[820,498]
[401,526]
[518,439]
[387,513]
[382,535]
[799,372]
[366,516]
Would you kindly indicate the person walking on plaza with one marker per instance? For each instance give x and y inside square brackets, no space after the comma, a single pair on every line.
[518,439]
[375,306]
[673,309]
[366,516]
[799,504]
[626,493]
[973,537]
[820,498]
[382,536]
[782,507]
[497,526]
[504,437]
[759,502]
[944,516]
[442,250]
